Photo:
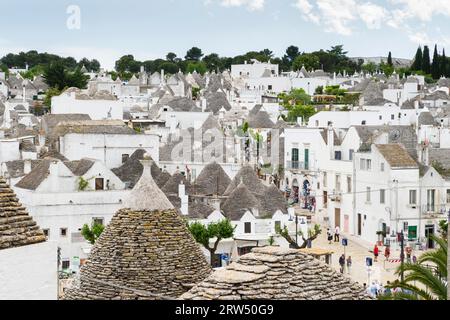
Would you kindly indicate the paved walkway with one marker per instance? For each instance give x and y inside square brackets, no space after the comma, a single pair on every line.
[359,250]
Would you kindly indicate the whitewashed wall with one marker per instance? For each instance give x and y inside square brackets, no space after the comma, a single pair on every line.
[29,272]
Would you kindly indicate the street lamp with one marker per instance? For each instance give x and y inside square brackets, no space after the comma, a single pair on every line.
[402,253]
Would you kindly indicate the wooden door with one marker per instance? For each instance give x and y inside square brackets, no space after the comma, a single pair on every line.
[359,224]
[337,217]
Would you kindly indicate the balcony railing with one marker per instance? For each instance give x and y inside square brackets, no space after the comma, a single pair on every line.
[436,208]
[297,165]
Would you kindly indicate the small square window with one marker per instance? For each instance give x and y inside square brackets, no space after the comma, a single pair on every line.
[63,232]
[46,232]
[99,221]
[65,264]
[247,227]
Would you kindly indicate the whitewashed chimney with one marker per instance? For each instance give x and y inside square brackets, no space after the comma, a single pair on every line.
[330,140]
[27,166]
[215,203]
[426,156]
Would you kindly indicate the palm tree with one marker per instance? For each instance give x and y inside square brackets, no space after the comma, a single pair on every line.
[432,285]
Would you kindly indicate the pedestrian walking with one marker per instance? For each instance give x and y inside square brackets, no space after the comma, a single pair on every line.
[329,236]
[375,252]
[342,263]
[387,290]
[373,289]
[349,264]
[387,252]
[336,234]
[408,254]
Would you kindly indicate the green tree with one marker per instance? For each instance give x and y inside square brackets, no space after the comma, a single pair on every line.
[33,72]
[319,90]
[309,60]
[127,63]
[212,62]
[194,54]
[389,59]
[422,282]
[198,66]
[426,65]
[444,64]
[436,65]
[169,67]
[387,69]
[294,97]
[292,52]
[51,92]
[214,230]
[313,233]
[91,234]
[417,63]
[369,67]
[297,111]
[171,57]
[56,75]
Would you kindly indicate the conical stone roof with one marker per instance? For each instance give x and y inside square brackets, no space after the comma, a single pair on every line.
[274,273]
[248,176]
[171,186]
[17,228]
[212,180]
[272,200]
[146,252]
[239,201]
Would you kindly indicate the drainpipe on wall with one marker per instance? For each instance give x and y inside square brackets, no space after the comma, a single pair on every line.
[355,218]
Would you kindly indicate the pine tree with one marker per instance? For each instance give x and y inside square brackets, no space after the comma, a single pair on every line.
[444,64]
[426,65]
[417,64]
[436,66]
[389,60]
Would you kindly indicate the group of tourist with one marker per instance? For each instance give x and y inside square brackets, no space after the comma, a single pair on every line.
[337,233]
[343,262]
[377,289]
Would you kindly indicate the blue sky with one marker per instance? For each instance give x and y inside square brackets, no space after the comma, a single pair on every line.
[149,29]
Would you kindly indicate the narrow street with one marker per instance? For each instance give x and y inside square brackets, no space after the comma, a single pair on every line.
[382,271]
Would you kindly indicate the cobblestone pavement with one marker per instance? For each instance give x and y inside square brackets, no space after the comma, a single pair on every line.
[382,271]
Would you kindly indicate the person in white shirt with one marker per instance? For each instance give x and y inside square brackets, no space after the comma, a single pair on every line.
[336,234]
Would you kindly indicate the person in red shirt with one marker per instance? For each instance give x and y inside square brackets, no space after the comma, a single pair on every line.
[387,252]
[376,252]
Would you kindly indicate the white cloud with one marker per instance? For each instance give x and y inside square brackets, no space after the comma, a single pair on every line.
[421,9]
[306,9]
[342,16]
[337,15]
[372,15]
[419,38]
[252,5]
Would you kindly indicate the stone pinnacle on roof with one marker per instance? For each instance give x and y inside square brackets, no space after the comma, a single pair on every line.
[17,228]
[146,195]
